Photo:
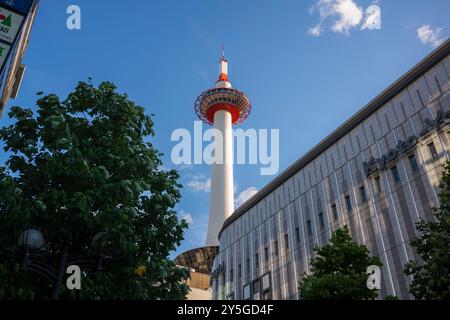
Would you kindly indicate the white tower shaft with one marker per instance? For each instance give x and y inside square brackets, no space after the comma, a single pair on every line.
[222,199]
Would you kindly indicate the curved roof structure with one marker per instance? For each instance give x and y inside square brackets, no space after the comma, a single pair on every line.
[199,259]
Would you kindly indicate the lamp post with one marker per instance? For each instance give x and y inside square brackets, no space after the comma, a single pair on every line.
[31,241]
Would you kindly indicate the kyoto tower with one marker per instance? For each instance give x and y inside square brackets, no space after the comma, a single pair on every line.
[222,107]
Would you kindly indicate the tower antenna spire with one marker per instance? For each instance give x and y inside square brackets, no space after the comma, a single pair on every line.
[223,52]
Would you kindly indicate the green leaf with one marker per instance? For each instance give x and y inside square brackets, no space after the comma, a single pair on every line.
[83,166]
[40,205]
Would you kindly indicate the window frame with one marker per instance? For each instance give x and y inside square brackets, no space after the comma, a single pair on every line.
[249,286]
[378,185]
[413,163]
[363,194]
[286,241]
[348,203]
[395,174]
[321,220]
[297,234]
[433,151]
[334,212]
[309,227]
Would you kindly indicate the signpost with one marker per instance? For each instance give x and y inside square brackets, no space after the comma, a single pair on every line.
[10,23]
[12,17]
[22,6]
[4,52]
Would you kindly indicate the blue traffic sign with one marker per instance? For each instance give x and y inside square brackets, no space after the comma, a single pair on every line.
[22,6]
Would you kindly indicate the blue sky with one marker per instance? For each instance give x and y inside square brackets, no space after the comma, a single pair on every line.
[307,66]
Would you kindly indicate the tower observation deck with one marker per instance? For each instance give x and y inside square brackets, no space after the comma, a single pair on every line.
[222,107]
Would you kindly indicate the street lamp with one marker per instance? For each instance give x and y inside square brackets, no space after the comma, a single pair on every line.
[32,241]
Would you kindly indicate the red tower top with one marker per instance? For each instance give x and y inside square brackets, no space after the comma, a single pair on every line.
[222,97]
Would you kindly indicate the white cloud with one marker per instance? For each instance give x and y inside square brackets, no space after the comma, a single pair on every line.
[350,16]
[429,35]
[372,20]
[244,196]
[186,216]
[316,30]
[196,234]
[185,166]
[199,183]
[347,15]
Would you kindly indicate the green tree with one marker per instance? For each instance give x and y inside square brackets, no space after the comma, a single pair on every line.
[431,277]
[338,272]
[83,166]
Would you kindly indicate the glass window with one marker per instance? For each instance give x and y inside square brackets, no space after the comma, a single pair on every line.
[334,211]
[413,163]
[420,97]
[223,285]
[248,266]
[308,226]
[231,274]
[378,184]
[247,292]
[348,202]
[433,153]
[256,286]
[276,247]
[266,254]
[395,174]
[286,241]
[322,222]
[436,80]
[240,271]
[257,260]
[297,234]
[362,192]
[266,282]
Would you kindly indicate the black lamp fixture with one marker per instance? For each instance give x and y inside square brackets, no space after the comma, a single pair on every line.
[32,242]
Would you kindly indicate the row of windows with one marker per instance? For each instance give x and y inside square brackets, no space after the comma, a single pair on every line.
[395,175]
[378,185]
[266,255]
[258,289]
[349,206]
[413,164]
[362,190]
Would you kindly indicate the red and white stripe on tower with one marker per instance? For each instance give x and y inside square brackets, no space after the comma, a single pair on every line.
[222,107]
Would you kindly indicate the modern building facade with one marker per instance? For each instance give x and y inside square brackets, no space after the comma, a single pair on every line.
[378,173]
[15,29]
